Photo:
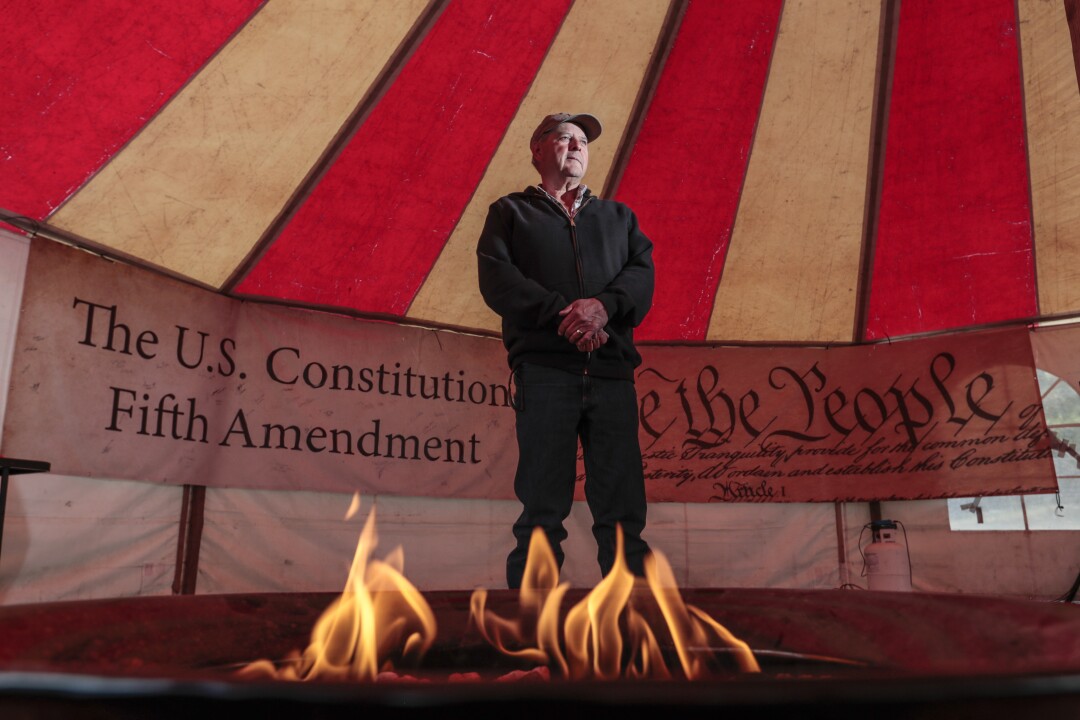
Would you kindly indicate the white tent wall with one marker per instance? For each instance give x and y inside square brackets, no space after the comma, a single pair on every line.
[299,541]
[256,541]
[77,538]
[14,252]
[1017,563]
[68,538]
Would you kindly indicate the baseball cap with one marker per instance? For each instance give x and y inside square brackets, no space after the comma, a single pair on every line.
[588,123]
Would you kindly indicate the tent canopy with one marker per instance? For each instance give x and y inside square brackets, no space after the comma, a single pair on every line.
[809,171]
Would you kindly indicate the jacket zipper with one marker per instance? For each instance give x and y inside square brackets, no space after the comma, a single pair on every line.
[577,257]
[580,269]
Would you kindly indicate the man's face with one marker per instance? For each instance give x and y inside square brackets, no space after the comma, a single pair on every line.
[563,151]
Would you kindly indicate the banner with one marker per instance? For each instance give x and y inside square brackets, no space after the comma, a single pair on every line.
[946,416]
[122,373]
[1057,355]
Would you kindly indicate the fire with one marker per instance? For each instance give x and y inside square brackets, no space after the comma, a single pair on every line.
[379,616]
[605,636]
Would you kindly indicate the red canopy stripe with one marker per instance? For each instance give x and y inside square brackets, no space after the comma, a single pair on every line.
[401,184]
[955,240]
[689,161]
[80,79]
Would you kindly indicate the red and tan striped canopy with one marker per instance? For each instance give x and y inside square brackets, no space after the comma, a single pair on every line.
[809,170]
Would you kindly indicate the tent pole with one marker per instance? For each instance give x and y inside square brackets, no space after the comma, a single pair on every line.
[1072,14]
[841,544]
[189,539]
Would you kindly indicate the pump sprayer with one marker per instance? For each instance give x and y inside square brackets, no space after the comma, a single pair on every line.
[888,566]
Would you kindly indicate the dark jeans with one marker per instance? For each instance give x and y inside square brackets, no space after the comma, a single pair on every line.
[555,408]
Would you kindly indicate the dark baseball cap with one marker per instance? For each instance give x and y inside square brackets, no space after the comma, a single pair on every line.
[588,123]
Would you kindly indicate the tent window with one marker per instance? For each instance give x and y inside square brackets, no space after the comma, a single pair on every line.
[1059,511]
[1053,511]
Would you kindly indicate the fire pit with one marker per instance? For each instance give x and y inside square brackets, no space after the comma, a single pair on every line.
[835,653]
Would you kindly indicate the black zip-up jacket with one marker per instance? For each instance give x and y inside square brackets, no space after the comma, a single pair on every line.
[534,260]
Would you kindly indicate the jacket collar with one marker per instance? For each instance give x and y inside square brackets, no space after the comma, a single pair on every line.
[583,196]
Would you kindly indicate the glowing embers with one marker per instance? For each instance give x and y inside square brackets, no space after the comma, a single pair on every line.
[606,635]
[379,618]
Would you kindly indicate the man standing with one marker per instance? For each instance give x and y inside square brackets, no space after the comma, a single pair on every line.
[571,275]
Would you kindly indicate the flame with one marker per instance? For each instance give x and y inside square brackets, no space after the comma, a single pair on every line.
[690,626]
[379,616]
[605,636]
[540,597]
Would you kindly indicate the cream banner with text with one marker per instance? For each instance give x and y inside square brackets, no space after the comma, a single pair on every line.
[119,372]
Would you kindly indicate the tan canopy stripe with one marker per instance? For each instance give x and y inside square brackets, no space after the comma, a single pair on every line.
[619,35]
[1053,134]
[230,149]
[791,270]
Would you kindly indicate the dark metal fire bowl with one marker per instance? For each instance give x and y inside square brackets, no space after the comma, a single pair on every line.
[823,654]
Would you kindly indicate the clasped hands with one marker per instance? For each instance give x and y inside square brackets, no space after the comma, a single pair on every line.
[583,324]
